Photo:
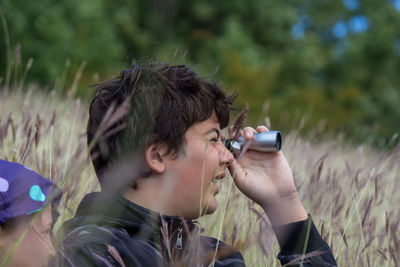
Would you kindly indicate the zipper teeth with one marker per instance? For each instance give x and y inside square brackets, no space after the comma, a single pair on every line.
[179,243]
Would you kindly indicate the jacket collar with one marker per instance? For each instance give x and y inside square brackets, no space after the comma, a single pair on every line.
[113,210]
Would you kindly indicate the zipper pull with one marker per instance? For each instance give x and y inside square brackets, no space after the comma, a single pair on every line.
[178,244]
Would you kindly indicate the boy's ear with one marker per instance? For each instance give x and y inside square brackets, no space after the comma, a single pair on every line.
[155,157]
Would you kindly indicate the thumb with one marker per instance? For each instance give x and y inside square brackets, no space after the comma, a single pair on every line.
[237,172]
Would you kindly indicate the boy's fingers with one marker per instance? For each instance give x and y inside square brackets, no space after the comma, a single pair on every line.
[236,171]
[262,128]
[248,133]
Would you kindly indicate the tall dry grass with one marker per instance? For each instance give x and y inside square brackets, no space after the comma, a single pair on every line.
[48,133]
[351,192]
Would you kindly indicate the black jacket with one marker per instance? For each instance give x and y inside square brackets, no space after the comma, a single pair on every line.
[109,230]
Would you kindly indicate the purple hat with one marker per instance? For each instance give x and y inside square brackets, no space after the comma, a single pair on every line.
[23,191]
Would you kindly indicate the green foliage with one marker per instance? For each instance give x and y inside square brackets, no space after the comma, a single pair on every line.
[308,61]
[52,32]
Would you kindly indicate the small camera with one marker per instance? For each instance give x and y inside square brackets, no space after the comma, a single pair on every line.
[270,141]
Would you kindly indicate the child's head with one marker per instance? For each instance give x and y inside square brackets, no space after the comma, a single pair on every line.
[163,102]
[26,215]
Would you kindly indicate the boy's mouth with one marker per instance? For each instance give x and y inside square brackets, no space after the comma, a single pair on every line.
[218,177]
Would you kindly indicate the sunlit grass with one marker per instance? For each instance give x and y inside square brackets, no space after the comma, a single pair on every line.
[351,192]
[47,133]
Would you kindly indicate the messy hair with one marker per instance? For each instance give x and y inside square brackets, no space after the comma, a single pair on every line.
[164,101]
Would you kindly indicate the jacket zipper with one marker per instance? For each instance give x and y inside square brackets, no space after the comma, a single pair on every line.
[178,244]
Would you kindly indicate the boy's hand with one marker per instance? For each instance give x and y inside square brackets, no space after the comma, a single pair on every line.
[266,178]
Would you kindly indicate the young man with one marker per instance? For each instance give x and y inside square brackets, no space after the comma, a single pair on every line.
[157,158]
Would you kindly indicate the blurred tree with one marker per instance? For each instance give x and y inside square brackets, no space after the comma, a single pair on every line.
[52,32]
[306,61]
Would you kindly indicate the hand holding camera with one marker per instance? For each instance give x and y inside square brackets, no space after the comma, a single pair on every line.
[263,174]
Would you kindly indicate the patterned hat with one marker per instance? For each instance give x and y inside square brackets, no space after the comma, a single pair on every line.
[23,191]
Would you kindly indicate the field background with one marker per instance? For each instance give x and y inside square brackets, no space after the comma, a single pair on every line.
[325,73]
[351,191]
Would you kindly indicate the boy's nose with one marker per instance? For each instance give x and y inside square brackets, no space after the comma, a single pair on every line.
[225,156]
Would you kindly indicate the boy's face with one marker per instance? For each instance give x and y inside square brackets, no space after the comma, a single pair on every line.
[193,171]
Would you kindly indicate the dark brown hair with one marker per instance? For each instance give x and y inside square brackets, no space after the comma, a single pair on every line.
[164,101]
